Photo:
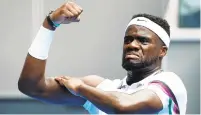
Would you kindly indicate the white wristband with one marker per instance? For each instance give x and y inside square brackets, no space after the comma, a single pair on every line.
[41,44]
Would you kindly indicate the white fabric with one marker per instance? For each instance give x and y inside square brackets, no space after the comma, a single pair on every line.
[41,44]
[158,30]
[169,78]
[177,87]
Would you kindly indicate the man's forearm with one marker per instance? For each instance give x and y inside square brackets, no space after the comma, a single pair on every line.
[34,67]
[141,102]
[105,101]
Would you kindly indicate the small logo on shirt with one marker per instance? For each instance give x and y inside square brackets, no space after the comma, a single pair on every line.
[139,85]
[122,87]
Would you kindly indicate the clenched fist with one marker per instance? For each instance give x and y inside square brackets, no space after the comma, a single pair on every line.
[67,13]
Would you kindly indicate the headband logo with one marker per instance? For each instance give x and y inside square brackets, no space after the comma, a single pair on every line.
[141,20]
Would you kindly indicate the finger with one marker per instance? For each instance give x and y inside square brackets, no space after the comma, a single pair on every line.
[61,83]
[73,19]
[65,77]
[64,82]
[78,18]
[80,8]
[77,8]
[67,13]
[59,80]
[72,9]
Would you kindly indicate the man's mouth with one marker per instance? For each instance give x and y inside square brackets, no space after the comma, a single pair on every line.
[131,56]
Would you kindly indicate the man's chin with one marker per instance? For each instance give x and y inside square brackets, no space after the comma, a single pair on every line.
[130,65]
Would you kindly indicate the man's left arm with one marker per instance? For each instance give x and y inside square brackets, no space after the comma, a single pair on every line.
[144,101]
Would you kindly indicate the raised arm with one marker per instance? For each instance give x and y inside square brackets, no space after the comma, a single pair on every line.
[33,81]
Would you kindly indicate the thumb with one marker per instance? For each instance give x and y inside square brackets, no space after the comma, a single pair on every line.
[76,19]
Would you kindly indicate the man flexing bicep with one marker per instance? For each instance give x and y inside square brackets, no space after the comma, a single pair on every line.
[33,81]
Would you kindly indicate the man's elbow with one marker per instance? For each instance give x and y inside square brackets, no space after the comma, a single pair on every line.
[28,86]
[23,86]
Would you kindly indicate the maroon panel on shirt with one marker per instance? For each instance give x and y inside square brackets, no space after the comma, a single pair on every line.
[169,92]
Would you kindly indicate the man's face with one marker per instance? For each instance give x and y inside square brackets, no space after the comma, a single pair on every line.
[141,48]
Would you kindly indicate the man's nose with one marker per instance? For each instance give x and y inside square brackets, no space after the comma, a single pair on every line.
[134,45]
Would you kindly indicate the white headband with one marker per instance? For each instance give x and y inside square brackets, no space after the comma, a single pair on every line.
[142,21]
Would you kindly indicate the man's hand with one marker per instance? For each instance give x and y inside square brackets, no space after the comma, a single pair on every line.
[71,83]
[67,13]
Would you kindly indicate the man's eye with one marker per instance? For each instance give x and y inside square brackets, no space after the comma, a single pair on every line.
[143,40]
[128,40]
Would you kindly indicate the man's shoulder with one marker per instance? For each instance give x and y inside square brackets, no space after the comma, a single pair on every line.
[168,75]
[173,81]
[173,85]
[176,84]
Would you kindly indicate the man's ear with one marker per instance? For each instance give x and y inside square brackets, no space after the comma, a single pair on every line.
[163,51]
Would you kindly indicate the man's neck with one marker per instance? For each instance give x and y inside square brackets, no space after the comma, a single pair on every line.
[137,75]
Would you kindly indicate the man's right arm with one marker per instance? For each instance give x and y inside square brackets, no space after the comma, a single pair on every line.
[33,82]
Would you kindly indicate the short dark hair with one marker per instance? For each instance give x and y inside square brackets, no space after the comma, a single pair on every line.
[158,20]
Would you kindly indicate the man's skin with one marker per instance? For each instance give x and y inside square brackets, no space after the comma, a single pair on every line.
[140,46]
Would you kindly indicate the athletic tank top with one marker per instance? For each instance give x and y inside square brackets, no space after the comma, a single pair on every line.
[167,85]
